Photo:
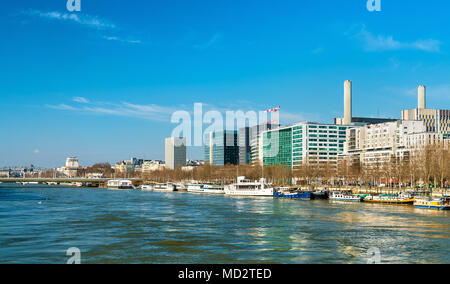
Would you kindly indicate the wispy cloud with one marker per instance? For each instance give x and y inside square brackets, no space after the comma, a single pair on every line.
[159,113]
[61,107]
[115,38]
[81,100]
[372,42]
[82,19]
[148,112]
[210,43]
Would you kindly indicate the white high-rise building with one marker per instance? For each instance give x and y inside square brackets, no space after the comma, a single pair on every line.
[378,143]
[175,152]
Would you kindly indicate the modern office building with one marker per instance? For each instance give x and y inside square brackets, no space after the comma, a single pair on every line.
[277,147]
[244,135]
[304,143]
[436,120]
[221,148]
[175,152]
[249,144]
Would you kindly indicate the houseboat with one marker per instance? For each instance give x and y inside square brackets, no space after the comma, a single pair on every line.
[390,199]
[165,187]
[436,204]
[214,189]
[146,187]
[119,184]
[345,197]
[206,188]
[292,194]
[245,187]
[196,188]
[181,187]
[322,194]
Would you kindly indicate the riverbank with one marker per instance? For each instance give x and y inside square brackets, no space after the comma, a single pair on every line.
[436,192]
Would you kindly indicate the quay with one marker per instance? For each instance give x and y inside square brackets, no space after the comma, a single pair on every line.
[101,182]
[436,192]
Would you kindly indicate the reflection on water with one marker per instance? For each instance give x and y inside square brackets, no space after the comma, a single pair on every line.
[38,225]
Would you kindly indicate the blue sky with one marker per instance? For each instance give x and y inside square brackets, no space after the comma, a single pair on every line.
[102,83]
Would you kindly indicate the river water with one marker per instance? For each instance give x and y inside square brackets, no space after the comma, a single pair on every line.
[39,225]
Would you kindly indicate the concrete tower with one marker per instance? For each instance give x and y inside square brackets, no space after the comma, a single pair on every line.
[175,152]
[422,97]
[347,102]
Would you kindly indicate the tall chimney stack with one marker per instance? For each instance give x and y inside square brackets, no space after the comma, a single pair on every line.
[347,102]
[422,97]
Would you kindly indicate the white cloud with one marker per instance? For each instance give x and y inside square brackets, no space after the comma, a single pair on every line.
[82,19]
[81,100]
[148,112]
[61,107]
[374,42]
[37,151]
[159,113]
[114,38]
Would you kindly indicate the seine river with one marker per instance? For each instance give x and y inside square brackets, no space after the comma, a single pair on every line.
[39,225]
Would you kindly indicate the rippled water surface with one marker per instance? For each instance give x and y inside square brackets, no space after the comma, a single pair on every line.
[38,225]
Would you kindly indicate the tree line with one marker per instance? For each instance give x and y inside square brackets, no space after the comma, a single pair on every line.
[427,167]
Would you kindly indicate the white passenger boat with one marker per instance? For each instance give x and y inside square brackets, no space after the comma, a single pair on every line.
[146,187]
[165,187]
[181,187]
[196,188]
[245,187]
[119,184]
[206,188]
[345,197]
[214,189]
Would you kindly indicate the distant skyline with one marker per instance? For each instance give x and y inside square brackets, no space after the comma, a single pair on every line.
[101,84]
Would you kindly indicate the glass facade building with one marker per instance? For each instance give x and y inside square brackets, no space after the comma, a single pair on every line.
[222,148]
[277,147]
[244,145]
[304,143]
[249,143]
